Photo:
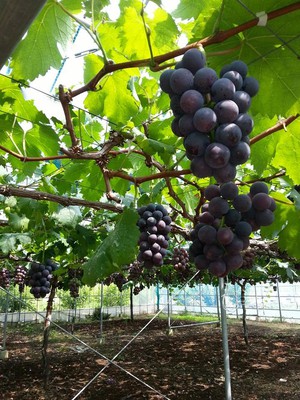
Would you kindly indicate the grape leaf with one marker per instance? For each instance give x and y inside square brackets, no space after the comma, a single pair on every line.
[38,50]
[117,249]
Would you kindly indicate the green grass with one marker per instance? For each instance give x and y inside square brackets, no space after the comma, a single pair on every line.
[190,317]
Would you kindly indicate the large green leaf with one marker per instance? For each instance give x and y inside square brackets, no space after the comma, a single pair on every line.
[119,248]
[114,100]
[39,51]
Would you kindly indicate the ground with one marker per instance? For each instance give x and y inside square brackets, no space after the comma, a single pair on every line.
[185,365]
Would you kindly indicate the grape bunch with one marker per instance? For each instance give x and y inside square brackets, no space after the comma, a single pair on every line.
[154,224]
[134,271]
[225,224]
[20,277]
[4,278]
[210,113]
[74,283]
[138,289]
[119,280]
[39,278]
[180,259]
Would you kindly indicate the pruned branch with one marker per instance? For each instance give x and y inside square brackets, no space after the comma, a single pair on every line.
[282,124]
[218,37]
[65,201]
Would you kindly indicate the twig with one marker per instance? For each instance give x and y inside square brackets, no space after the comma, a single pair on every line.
[7,191]
[282,124]
[65,99]
[218,37]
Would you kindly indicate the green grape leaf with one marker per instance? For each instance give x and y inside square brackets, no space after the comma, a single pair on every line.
[288,151]
[9,241]
[117,249]
[187,9]
[38,50]
[114,100]
[68,216]
[18,223]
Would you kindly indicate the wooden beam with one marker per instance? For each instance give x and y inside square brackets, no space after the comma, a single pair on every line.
[16,17]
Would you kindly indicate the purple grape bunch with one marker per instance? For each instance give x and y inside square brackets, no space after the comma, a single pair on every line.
[225,224]
[5,277]
[39,278]
[210,113]
[154,224]
[20,277]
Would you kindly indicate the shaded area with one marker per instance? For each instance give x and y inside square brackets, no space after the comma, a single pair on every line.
[185,365]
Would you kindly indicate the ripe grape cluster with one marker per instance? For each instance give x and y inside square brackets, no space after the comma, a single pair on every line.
[210,113]
[4,278]
[180,258]
[225,224]
[20,277]
[74,283]
[154,224]
[39,278]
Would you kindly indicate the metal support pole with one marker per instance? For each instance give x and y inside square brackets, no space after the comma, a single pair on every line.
[256,301]
[101,313]
[200,297]
[279,303]
[168,308]
[225,340]
[236,302]
[3,351]
[218,307]
[157,297]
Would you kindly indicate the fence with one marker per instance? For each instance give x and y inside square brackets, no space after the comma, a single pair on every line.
[280,302]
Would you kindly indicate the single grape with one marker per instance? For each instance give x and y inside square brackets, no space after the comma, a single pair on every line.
[199,168]
[259,187]
[218,207]
[232,217]
[186,125]
[243,100]
[195,143]
[261,201]
[164,81]
[225,235]
[251,86]
[225,174]
[217,155]
[243,228]
[242,203]
[212,191]
[229,190]
[222,89]
[240,153]
[240,67]
[245,123]
[235,78]
[204,119]
[228,134]
[175,105]
[217,268]
[207,234]
[193,59]
[204,79]
[264,218]
[226,111]
[191,100]
[181,80]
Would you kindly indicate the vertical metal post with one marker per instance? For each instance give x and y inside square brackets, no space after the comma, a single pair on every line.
[184,299]
[279,302]
[218,308]
[236,302]
[157,297]
[200,296]
[101,312]
[225,340]
[256,302]
[168,308]
[5,321]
